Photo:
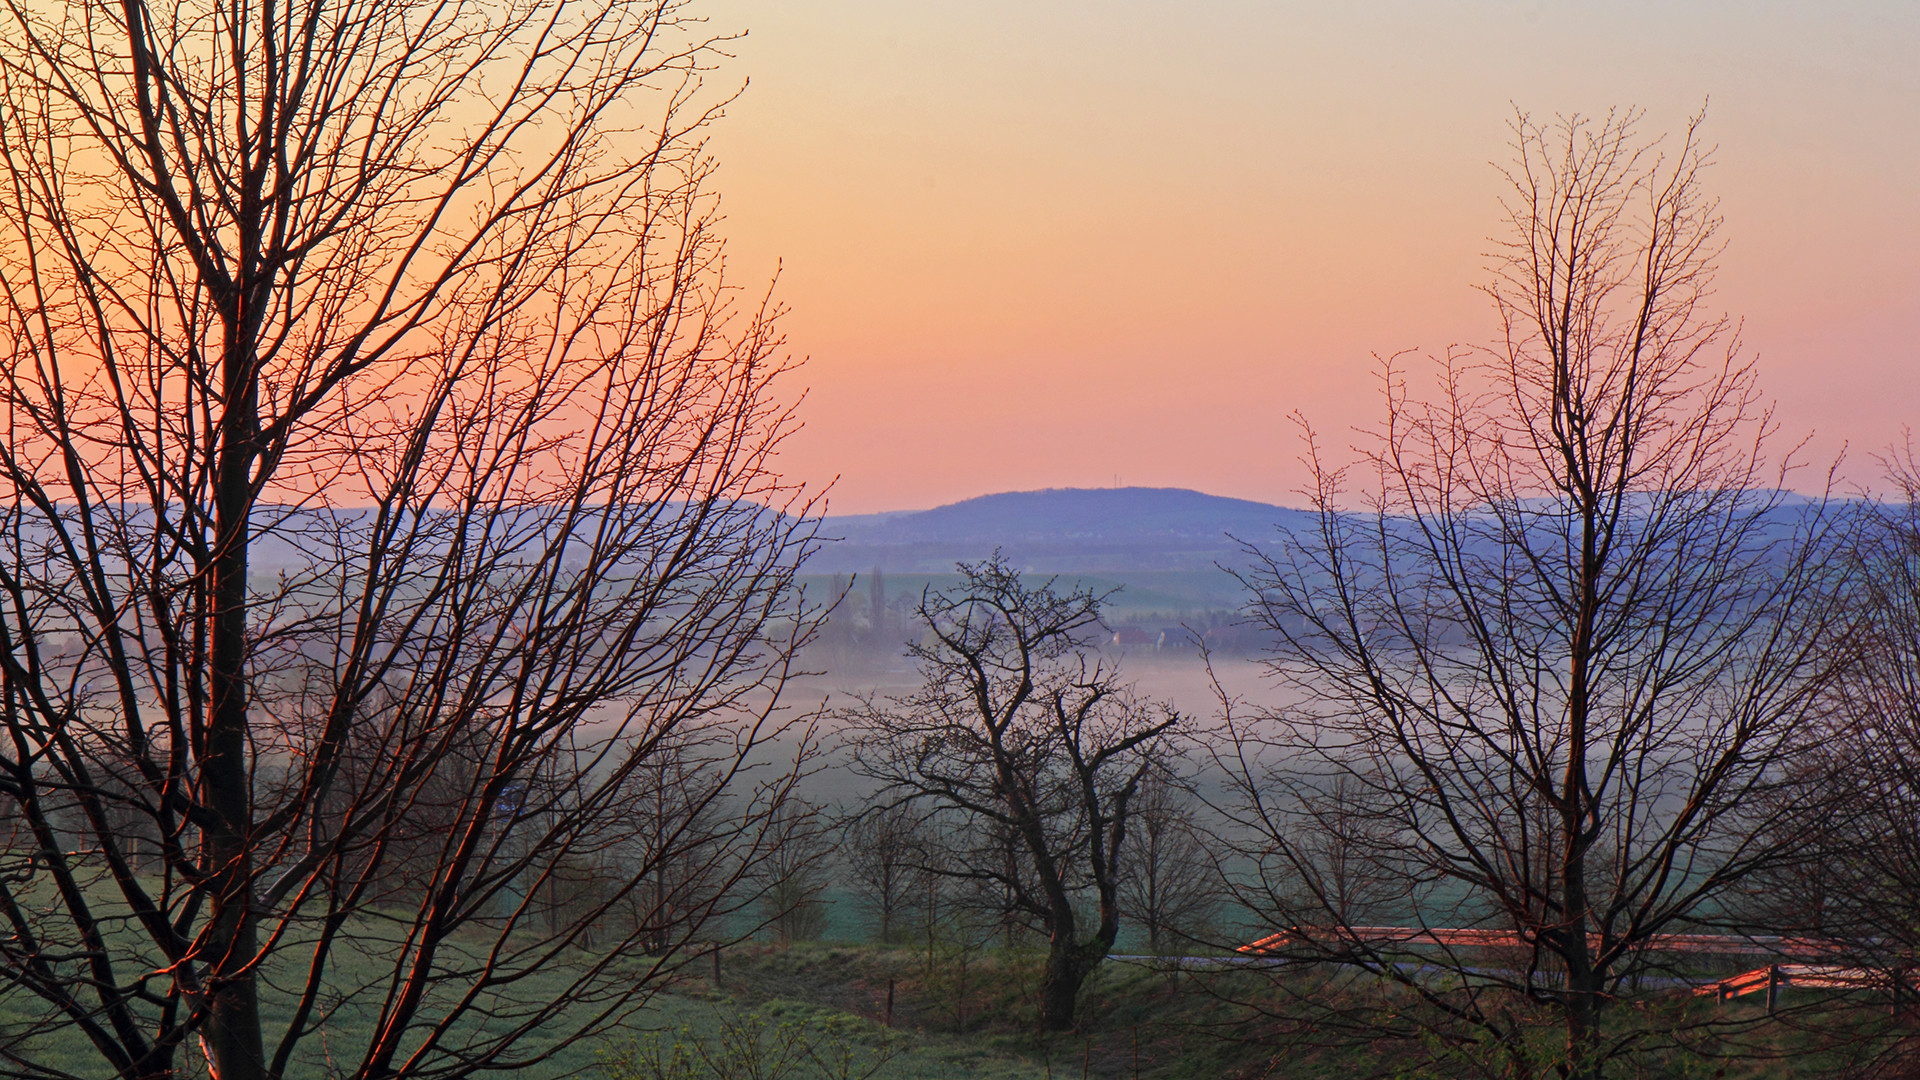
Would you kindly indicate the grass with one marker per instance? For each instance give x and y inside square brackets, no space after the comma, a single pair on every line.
[847,1011]
[688,1010]
[1136,1021]
[1153,1023]
[728,1037]
[972,1015]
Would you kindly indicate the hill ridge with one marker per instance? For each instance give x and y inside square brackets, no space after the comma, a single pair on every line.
[1058,528]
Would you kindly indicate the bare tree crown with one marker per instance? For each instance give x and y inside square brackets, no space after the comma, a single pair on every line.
[1558,630]
[1029,750]
[391,511]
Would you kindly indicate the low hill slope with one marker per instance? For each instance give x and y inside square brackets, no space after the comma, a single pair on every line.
[1058,529]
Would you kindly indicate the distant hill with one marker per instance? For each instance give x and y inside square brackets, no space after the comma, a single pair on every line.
[1058,529]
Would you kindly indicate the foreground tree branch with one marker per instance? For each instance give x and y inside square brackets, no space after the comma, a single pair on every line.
[391,510]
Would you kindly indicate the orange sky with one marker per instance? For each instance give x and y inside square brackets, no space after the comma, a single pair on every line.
[1054,243]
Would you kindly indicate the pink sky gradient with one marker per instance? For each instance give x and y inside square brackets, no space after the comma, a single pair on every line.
[1051,244]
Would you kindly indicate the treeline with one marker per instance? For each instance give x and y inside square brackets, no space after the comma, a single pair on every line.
[866,622]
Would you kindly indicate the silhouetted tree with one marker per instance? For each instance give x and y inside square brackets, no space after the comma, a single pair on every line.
[888,851]
[1557,666]
[1030,749]
[1169,881]
[1858,889]
[387,485]
[796,874]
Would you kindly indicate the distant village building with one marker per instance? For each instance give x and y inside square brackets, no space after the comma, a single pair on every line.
[1232,639]
[1132,636]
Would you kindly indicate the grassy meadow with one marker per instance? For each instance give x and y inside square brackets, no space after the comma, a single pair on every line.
[845,1010]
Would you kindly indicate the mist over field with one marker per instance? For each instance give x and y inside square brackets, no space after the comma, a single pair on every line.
[1163,558]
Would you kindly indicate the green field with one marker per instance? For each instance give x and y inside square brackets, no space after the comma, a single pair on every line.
[689,1015]
[843,1011]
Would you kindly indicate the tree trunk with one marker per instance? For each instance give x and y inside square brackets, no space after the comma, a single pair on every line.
[1584,1061]
[235,1048]
[1067,970]
[1583,986]
[1068,966]
[1583,999]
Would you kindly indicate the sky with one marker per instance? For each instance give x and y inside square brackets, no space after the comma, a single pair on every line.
[1076,244]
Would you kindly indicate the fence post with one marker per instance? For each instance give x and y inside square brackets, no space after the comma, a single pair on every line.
[1773,987]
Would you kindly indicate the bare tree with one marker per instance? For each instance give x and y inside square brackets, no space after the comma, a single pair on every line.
[1856,890]
[1553,660]
[387,486]
[1032,751]
[888,850]
[1169,883]
[796,874]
